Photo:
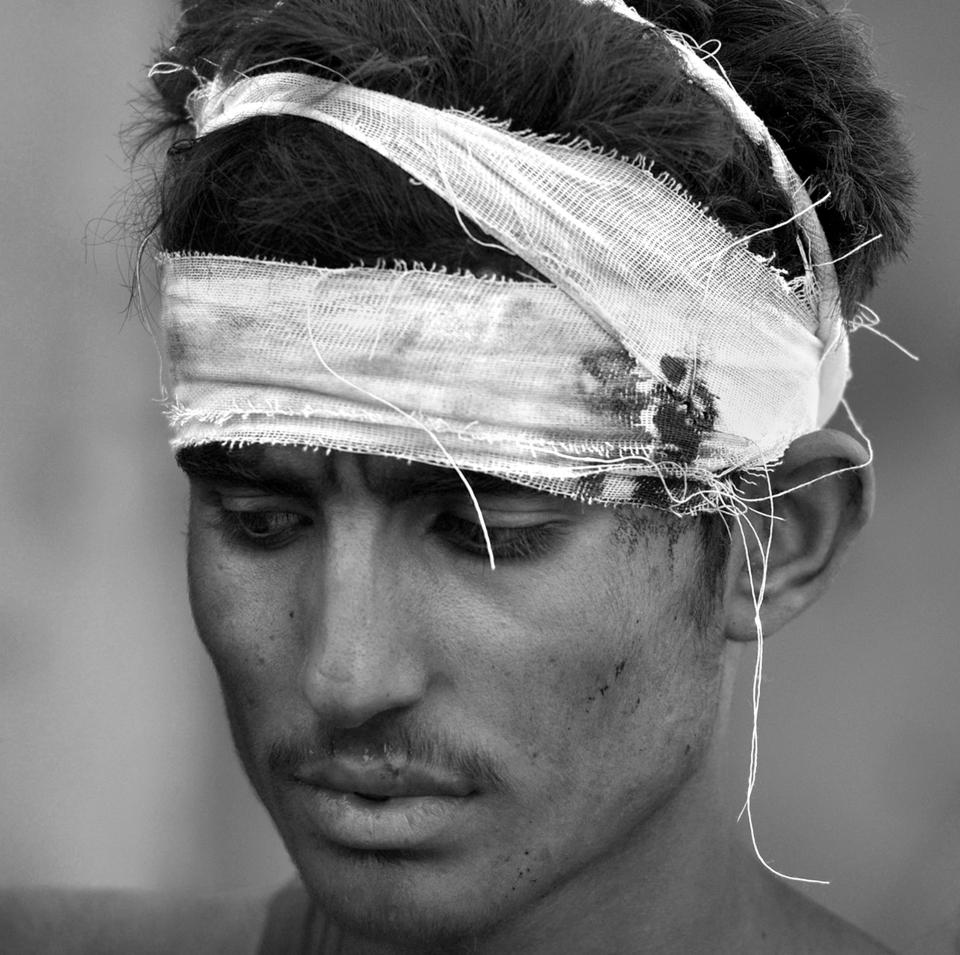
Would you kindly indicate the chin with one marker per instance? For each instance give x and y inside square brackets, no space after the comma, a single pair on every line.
[399,898]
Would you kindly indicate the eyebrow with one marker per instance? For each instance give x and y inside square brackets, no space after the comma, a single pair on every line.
[246,467]
[240,467]
[444,481]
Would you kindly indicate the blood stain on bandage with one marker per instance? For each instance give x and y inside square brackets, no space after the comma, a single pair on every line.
[670,416]
[685,410]
[615,386]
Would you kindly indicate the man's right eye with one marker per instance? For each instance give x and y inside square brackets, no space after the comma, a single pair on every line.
[263,529]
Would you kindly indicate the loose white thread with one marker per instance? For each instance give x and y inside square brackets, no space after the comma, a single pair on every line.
[757,595]
[867,318]
[453,464]
[852,252]
[451,199]
[745,239]
[823,477]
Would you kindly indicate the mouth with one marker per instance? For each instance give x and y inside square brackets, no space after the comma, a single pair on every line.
[371,822]
[371,798]
[380,781]
[372,805]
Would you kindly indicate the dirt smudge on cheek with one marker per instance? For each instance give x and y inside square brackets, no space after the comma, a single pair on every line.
[605,692]
[523,870]
[527,871]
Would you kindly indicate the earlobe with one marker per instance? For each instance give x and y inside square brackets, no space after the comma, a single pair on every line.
[823,495]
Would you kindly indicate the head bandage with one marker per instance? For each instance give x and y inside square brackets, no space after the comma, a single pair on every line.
[660,347]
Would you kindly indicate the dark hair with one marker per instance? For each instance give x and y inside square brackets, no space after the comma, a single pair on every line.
[292,189]
[289,188]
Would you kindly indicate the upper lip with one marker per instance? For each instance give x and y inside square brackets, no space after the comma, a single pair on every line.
[381,779]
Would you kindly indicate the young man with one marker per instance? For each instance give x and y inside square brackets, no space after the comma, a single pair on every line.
[500,337]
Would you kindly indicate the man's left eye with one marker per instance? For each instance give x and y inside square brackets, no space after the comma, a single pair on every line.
[508,543]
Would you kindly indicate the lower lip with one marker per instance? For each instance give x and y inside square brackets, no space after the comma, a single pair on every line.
[402,822]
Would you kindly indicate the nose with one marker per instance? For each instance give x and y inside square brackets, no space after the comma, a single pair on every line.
[364,650]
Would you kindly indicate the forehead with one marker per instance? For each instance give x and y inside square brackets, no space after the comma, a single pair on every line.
[322,472]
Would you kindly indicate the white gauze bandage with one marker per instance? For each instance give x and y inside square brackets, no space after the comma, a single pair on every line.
[660,357]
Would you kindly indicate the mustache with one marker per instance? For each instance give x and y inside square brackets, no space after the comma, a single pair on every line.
[395,742]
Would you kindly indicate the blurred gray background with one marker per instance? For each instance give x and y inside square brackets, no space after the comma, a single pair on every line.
[115,763]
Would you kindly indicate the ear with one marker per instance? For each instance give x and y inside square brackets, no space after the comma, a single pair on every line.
[814,525]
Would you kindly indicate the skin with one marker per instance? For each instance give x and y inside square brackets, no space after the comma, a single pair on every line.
[580,690]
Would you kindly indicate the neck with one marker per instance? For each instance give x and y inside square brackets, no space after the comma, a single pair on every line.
[674,888]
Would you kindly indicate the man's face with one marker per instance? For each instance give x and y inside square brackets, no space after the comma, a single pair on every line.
[441,745]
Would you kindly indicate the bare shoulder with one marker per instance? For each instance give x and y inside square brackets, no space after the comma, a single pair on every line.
[806,928]
[56,921]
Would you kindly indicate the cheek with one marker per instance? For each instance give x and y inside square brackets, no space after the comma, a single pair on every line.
[244,621]
[533,657]
[602,668]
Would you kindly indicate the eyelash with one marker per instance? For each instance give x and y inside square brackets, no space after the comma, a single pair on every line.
[509,543]
[234,525]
